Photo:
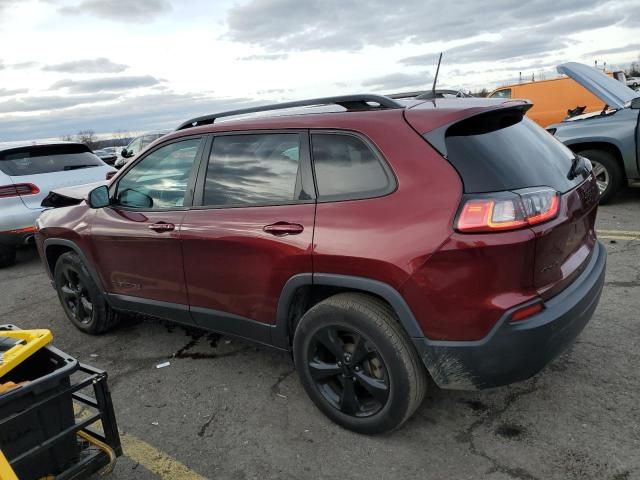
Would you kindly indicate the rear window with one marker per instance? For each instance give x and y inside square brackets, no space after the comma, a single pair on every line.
[504,150]
[47,159]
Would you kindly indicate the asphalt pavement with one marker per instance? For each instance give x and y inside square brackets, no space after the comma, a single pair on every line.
[226,409]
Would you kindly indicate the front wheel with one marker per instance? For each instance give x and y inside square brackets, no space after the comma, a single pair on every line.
[357,364]
[82,301]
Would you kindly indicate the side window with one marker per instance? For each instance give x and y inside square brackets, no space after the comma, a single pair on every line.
[504,93]
[160,179]
[260,169]
[347,168]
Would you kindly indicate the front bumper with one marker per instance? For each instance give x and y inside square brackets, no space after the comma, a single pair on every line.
[513,352]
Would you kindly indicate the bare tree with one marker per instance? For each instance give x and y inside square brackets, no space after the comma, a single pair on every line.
[67,138]
[88,137]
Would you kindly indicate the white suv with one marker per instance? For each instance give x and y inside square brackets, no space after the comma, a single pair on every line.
[28,172]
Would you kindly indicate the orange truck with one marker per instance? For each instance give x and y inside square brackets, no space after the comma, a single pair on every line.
[552,99]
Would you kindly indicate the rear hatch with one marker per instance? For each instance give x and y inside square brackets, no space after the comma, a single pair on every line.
[500,152]
[51,166]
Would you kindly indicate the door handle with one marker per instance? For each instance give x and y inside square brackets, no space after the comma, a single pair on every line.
[280,229]
[162,227]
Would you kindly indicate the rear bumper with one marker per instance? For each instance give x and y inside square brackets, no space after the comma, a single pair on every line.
[17,228]
[513,352]
[21,237]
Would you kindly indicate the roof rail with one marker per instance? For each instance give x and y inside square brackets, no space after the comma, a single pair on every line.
[350,102]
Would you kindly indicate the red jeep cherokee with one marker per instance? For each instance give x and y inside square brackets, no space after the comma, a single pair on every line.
[378,241]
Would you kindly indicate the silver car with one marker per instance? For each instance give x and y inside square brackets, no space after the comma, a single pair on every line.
[137,145]
[609,139]
[28,172]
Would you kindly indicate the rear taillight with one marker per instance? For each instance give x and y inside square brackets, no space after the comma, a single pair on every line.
[507,210]
[18,190]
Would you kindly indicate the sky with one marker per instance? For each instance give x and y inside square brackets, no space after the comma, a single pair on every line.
[136,65]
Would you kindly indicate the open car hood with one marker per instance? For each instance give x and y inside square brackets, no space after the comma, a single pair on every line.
[614,93]
[67,196]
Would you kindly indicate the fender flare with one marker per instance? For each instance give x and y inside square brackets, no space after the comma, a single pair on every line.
[280,334]
[76,249]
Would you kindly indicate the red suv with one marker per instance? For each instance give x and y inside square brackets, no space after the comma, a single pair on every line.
[380,242]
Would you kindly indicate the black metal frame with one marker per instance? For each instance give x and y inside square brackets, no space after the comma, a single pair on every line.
[102,403]
[357,103]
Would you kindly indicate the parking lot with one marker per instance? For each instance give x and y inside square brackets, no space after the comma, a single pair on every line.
[229,409]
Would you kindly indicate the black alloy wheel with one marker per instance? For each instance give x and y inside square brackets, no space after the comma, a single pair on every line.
[82,300]
[76,297]
[348,371]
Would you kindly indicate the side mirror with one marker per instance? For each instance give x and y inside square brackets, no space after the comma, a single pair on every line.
[124,153]
[635,103]
[99,197]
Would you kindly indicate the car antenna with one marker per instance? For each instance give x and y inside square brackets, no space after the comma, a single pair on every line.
[435,79]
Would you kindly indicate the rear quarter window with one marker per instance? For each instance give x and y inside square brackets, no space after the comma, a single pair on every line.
[347,168]
[47,159]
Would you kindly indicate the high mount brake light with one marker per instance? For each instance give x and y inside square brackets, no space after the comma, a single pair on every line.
[508,211]
[18,190]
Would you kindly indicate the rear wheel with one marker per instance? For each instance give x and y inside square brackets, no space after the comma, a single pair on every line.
[81,299]
[7,255]
[357,365]
[607,171]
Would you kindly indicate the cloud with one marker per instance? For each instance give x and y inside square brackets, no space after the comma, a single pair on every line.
[349,25]
[398,81]
[4,92]
[121,10]
[145,112]
[513,46]
[53,102]
[7,3]
[98,65]
[272,91]
[632,47]
[106,84]
[23,65]
[267,56]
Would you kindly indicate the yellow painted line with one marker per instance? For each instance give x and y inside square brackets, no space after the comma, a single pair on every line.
[619,232]
[615,237]
[154,460]
[164,466]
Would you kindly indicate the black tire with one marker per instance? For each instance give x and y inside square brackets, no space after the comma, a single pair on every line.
[82,301]
[612,169]
[363,327]
[7,255]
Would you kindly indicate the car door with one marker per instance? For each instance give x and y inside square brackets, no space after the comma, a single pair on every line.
[249,231]
[136,239]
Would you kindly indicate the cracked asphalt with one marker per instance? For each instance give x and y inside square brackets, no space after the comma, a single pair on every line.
[228,409]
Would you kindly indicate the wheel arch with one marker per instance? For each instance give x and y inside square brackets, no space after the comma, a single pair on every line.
[304,290]
[53,248]
[604,146]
